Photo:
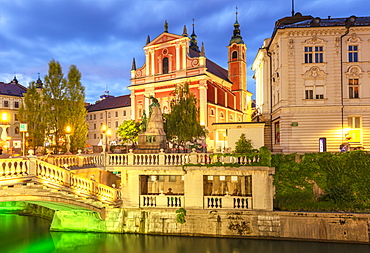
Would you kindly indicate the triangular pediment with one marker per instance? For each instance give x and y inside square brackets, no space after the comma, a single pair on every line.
[163,38]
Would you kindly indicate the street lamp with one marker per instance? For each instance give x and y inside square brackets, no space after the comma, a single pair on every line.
[104,130]
[68,140]
[109,133]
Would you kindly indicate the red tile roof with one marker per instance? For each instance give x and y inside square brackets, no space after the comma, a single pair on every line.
[110,102]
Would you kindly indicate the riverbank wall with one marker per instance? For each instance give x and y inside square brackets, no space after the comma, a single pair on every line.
[306,226]
[309,226]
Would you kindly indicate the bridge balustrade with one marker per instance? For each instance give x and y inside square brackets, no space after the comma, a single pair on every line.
[24,170]
[134,159]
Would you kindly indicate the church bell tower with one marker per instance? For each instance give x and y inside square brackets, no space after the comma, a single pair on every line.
[237,66]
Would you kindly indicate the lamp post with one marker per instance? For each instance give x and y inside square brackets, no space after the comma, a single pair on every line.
[109,133]
[4,135]
[68,140]
[104,141]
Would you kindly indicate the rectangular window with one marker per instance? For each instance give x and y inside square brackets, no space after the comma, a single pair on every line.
[124,113]
[318,54]
[116,124]
[16,117]
[16,104]
[172,179]
[90,116]
[6,103]
[109,124]
[310,51]
[116,113]
[353,88]
[354,129]
[309,94]
[108,114]
[307,54]
[94,136]
[101,115]
[94,116]
[319,92]
[353,53]
[277,132]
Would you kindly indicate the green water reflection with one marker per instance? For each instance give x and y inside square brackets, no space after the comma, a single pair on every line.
[20,234]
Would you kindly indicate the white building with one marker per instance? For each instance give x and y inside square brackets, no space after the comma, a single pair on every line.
[312,82]
[109,111]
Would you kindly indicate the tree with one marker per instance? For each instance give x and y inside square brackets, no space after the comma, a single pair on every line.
[32,112]
[129,131]
[183,121]
[243,145]
[75,106]
[60,103]
[54,98]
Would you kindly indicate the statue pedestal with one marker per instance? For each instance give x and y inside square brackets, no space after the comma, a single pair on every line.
[154,138]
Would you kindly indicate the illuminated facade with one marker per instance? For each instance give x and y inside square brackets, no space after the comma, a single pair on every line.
[109,111]
[312,82]
[11,98]
[176,59]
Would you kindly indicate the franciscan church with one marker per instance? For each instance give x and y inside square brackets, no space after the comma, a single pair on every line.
[172,59]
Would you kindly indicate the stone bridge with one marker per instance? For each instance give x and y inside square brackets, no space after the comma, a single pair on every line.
[35,181]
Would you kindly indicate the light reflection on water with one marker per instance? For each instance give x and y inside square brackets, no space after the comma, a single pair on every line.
[20,234]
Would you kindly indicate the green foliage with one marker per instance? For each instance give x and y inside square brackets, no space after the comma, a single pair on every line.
[243,145]
[180,215]
[182,124]
[265,157]
[342,177]
[128,131]
[59,103]
[32,112]
[75,106]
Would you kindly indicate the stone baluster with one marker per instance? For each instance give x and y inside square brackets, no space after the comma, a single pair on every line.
[193,156]
[33,164]
[161,157]
[130,157]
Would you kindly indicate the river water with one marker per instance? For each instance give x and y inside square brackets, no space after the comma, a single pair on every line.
[23,234]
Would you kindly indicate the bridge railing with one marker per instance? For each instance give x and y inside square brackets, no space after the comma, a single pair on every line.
[57,177]
[157,159]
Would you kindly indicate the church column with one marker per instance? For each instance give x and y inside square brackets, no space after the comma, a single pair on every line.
[184,53]
[146,104]
[147,63]
[170,65]
[133,107]
[203,103]
[152,62]
[177,57]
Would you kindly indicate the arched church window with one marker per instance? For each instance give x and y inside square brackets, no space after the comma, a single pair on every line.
[165,65]
[234,55]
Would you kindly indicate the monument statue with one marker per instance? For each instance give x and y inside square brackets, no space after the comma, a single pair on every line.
[153,138]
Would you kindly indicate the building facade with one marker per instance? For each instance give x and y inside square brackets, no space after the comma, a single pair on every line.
[312,84]
[173,59]
[11,99]
[110,111]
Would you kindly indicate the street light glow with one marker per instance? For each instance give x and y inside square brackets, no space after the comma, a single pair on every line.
[4,117]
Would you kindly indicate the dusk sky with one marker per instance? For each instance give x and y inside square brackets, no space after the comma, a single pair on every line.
[101,37]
